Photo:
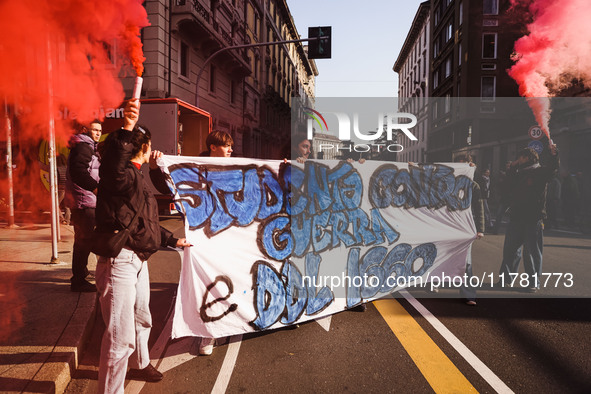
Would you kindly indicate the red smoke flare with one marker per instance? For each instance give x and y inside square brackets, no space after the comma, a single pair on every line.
[75,49]
[88,44]
[556,50]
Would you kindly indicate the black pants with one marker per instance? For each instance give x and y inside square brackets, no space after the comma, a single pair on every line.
[83,225]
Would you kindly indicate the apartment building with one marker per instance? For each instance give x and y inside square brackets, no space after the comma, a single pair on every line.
[248,91]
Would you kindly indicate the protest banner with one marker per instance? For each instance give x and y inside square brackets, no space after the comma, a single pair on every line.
[280,243]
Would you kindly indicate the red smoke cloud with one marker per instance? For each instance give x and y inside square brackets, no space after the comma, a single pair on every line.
[62,58]
[86,43]
[556,50]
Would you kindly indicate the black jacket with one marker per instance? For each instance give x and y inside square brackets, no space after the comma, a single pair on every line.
[477,208]
[527,189]
[122,190]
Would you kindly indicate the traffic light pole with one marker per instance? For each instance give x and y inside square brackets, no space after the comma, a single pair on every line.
[260,44]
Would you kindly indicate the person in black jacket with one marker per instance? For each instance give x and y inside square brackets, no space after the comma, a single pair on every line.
[82,177]
[527,181]
[123,282]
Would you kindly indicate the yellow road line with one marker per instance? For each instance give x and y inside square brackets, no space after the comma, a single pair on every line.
[436,367]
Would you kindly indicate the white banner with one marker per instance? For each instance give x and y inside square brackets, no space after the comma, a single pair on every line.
[276,244]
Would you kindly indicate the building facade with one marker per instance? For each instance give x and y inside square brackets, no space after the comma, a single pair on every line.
[413,68]
[248,91]
[472,43]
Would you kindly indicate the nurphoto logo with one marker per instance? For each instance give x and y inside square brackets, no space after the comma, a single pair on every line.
[390,124]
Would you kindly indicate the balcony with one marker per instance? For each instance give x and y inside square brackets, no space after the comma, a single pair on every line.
[207,31]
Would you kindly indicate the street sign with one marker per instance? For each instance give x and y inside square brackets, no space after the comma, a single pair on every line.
[535,132]
[537,146]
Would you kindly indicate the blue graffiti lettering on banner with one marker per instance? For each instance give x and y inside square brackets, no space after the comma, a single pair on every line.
[431,186]
[218,197]
[284,297]
[380,264]
[326,203]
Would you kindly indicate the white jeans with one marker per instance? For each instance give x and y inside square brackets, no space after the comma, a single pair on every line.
[123,283]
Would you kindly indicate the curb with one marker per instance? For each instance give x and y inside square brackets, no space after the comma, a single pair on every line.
[57,371]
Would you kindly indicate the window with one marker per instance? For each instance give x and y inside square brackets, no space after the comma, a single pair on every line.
[489,46]
[233,92]
[435,105]
[212,78]
[184,60]
[436,79]
[488,88]
[436,47]
[461,12]
[437,16]
[448,67]
[449,32]
[490,7]
[460,54]
[256,68]
[447,103]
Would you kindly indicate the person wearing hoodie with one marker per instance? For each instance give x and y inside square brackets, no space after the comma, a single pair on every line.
[527,183]
[125,201]
[82,176]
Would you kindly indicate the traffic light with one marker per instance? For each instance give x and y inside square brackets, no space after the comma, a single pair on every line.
[319,49]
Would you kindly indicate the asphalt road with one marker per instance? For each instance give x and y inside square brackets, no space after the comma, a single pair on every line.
[520,342]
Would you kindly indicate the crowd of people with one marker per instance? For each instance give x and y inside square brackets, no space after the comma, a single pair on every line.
[107,194]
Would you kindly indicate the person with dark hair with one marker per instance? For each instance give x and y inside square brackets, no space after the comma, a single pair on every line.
[484,183]
[123,281]
[82,177]
[467,292]
[527,182]
[301,147]
[503,198]
[219,144]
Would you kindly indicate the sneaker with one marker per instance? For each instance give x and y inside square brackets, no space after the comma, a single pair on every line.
[84,287]
[148,374]
[470,302]
[206,346]
[360,308]
[531,289]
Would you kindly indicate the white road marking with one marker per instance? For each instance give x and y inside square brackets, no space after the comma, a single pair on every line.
[184,350]
[221,383]
[179,352]
[325,322]
[497,384]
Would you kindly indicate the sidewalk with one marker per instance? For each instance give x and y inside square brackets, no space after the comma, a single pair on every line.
[43,325]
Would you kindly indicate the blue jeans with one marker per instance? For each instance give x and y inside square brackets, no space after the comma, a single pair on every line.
[525,239]
[123,283]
